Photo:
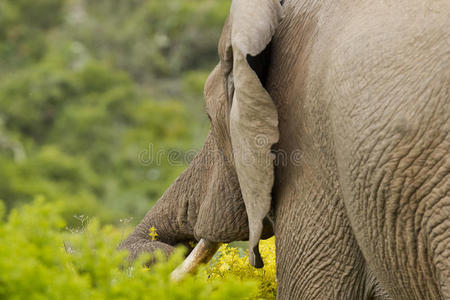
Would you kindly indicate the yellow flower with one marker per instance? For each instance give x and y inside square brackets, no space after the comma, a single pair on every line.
[152,233]
[230,262]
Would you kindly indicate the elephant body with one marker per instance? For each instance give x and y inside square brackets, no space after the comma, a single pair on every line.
[360,203]
[370,111]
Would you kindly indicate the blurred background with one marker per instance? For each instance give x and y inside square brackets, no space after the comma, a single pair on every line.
[95,96]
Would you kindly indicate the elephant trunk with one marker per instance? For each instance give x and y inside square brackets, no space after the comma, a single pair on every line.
[201,254]
[172,219]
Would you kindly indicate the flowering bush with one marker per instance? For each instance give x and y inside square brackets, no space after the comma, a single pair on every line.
[41,259]
[232,263]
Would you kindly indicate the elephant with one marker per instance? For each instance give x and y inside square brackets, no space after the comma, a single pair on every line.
[330,130]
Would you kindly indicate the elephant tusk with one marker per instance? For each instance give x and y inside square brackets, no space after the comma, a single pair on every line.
[202,253]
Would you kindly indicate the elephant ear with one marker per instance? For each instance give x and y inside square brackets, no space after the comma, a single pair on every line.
[253,115]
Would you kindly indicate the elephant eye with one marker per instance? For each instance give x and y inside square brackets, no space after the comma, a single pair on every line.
[209,117]
[230,87]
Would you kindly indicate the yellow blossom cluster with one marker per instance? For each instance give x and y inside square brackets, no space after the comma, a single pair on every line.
[231,262]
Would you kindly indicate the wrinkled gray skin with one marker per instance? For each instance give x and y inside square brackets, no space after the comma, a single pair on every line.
[361,193]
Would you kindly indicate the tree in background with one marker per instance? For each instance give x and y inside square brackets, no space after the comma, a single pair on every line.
[90,90]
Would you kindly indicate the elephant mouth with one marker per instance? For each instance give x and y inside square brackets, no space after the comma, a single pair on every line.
[201,254]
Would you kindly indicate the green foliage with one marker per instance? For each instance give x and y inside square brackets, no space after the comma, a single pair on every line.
[2,210]
[194,81]
[167,37]
[47,262]
[84,131]
[23,24]
[89,117]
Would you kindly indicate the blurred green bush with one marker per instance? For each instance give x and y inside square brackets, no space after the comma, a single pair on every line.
[149,38]
[96,95]
[23,28]
[81,132]
[45,261]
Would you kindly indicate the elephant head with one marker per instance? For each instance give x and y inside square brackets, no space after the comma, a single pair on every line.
[225,194]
